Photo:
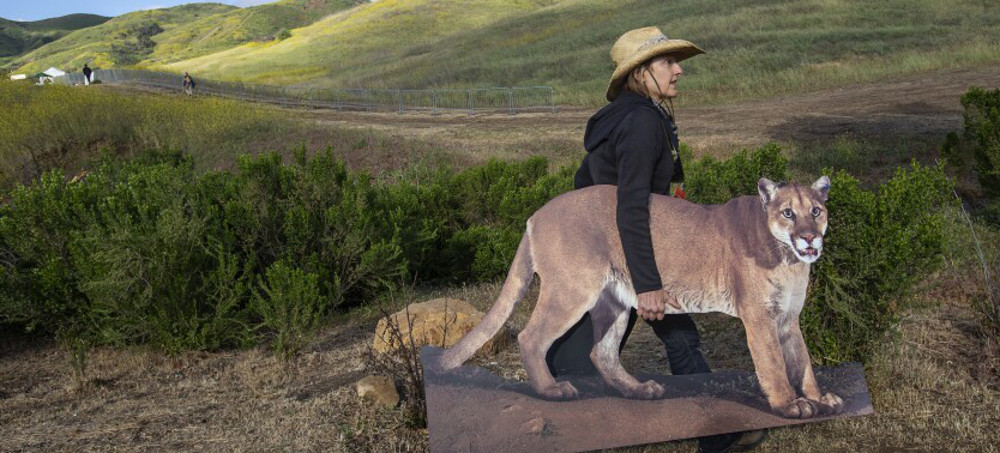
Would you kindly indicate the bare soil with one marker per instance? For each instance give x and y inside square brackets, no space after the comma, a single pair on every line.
[919,109]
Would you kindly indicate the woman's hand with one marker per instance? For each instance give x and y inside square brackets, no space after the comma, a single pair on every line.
[652,304]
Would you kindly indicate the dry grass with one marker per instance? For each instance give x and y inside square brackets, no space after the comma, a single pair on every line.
[141,400]
[928,390]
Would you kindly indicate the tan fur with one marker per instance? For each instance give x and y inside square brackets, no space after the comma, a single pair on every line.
[736,258]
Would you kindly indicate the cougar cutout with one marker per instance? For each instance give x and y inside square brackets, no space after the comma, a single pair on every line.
[748,258]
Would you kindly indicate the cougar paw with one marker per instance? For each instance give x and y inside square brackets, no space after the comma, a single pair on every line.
[799,408]
[561,390]
[831,404]
[648,390]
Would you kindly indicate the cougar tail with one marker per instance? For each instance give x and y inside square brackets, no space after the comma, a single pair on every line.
[518,278]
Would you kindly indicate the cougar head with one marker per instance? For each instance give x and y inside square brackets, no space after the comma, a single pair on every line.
[796,215]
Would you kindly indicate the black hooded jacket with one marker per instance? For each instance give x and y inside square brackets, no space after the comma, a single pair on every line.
[629,144]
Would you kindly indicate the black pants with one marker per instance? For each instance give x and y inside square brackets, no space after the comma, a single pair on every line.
[570,354]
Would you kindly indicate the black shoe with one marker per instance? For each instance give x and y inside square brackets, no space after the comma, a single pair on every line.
[731,442]
[719,443]
[750,440]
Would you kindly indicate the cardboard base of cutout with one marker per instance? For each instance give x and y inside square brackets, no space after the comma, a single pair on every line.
[470,409]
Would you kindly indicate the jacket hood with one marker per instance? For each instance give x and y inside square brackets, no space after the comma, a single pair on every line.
[606,120]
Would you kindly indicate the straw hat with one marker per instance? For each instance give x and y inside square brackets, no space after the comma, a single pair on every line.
[637,46]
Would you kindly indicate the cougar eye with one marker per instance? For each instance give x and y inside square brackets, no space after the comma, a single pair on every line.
[787,213]
[815,211]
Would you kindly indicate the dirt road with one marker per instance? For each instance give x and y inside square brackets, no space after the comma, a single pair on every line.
[920,109]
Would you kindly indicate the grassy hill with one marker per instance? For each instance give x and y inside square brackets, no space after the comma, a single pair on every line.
[755,47]
[17,38]
[95,45]
[259,24]
[353,47]
[184,31]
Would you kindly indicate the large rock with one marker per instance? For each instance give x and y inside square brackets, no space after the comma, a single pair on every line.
[380,389]
[429,323]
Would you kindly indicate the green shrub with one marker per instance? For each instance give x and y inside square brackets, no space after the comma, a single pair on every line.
[979,145]
[39,280]
[879,244]
[151,251]
[710,181]
[153,265]
[290,306]
[490,205]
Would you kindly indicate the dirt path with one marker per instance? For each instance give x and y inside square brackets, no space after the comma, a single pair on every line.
[922,109]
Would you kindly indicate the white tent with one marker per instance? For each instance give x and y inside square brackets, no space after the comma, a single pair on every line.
[53,72]
[18,77]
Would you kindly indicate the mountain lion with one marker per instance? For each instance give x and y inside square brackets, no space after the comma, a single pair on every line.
[748,258]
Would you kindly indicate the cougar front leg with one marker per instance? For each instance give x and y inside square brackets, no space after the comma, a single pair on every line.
[610,320]
[555,313]
[800,371]
[768,359]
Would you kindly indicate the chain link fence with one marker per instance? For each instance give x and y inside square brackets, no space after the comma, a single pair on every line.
[510,100]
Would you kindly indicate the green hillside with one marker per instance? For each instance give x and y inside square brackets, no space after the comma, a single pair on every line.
[17,38]
[755,47]
[184,31]
[96,45]
[357,45]
[259,24]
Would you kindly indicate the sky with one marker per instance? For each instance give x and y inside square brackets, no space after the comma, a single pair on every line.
[30,10]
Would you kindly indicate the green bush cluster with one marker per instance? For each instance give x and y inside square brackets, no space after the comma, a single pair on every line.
[710,181]
[151,251]
[978,147]
[879,244]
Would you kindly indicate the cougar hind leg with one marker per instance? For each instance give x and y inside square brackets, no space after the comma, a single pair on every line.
[610,320]
[555,313]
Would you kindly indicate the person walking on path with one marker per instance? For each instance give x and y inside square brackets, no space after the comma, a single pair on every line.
[632,143]
[188,84]
[86,74]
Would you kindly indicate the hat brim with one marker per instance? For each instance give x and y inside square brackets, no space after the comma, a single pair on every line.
[678,48]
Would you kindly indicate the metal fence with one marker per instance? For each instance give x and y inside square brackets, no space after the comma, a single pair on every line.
[510,100]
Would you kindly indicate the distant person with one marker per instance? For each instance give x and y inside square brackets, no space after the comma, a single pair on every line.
[86,74]
[188,84]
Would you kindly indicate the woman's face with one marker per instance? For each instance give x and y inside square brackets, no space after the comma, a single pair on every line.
[661,77]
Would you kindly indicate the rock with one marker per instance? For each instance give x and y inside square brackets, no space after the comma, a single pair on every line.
[380,389]
[427,326]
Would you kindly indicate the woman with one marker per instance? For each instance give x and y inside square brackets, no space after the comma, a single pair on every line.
[632,143]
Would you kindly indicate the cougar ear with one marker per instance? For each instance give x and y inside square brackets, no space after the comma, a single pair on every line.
[767,189]
[822,187]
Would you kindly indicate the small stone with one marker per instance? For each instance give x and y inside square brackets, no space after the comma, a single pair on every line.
[380,389]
